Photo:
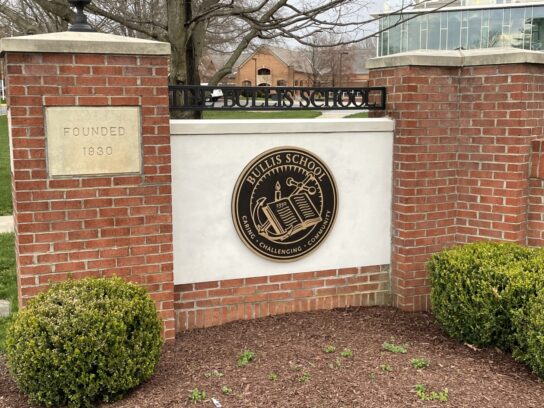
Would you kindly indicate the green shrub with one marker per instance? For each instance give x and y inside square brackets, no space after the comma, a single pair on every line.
[532,348]
[84,341]
[467,290]
[520,296]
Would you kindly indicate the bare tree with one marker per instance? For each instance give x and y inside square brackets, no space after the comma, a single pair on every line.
[335,65]
[192,25]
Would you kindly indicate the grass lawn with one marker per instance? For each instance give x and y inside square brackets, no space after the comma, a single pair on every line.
[8,279]
[358,115]
[261,115]
[5,177]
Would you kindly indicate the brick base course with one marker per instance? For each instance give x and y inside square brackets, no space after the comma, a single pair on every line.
[213,303]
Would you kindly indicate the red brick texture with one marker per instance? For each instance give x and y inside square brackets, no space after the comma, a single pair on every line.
[462,155]
[91,226]
[214,303]
[535,221]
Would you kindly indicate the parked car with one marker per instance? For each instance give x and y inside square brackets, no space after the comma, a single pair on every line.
[215,95]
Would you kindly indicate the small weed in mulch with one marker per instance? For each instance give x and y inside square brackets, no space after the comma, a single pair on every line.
[419,363]
[394,348]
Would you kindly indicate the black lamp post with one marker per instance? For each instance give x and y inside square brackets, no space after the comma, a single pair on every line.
[80,23]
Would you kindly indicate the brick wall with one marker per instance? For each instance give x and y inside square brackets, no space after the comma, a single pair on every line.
[212,303]
[535,208]
[91,226]
[502,110]
[462,154]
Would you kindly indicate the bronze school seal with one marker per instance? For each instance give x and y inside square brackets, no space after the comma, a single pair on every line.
[284,203]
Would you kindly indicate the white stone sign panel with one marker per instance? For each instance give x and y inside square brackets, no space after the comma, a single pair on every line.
[208,157]
[85,141]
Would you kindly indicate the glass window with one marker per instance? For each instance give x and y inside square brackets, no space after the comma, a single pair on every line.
[454,30]
[394,36]
[423,32]
[484,40]
[537,35]
[433,42]
[495,28]
[382,36]
[464,30]
[517,27]
[403,37]
[384,40]
[521,27]
[443,31]
[474,29]
[527,28]
[506,28]
[413,34]
[263,71]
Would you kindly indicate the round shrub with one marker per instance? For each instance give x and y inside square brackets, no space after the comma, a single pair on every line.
[467,290]
[84,341]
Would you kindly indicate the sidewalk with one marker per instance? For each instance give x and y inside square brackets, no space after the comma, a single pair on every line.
[335,114]
[6,223]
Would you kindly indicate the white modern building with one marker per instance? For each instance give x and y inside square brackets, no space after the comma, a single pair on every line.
[463,25]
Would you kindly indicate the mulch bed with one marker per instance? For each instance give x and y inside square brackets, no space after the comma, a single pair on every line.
[292,346]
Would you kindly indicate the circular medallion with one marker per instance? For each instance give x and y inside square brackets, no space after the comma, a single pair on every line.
[284,203]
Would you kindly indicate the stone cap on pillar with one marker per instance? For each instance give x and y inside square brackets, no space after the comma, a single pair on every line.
[83,43]
[458,58]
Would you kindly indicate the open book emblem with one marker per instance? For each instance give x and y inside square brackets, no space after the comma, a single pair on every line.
[284,203]
[289,215]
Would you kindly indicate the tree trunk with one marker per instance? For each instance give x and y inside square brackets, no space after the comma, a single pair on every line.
[183,64]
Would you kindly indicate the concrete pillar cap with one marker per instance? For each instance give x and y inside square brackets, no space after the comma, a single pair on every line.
[461,58]
[83,43]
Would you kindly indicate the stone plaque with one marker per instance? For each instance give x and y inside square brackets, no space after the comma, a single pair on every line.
[93,140]
[284,203]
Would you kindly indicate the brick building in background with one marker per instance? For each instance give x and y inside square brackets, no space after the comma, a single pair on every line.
[275,66]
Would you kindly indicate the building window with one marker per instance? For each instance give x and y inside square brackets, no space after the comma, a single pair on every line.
[454,30]
[282,82]
[520,27]
[537,37]
[246,83]
[263,71]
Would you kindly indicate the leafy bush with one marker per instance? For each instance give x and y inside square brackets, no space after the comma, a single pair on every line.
[84,341]
[467,290]
[520,298]
[532,349]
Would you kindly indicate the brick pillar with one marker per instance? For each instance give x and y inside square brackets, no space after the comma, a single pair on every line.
[424,103]
[100,225]
[464,125]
